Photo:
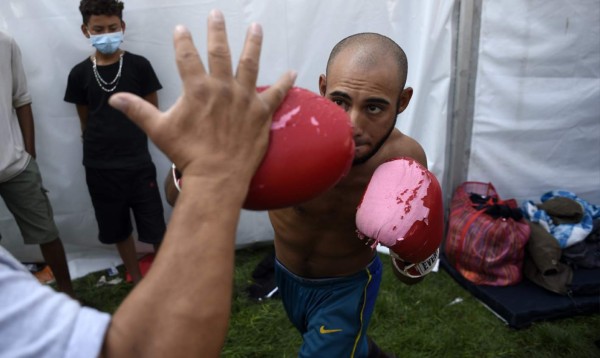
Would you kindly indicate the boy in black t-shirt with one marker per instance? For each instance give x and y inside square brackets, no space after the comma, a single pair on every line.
[119,171]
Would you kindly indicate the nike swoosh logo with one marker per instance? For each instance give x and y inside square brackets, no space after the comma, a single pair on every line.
[322,330]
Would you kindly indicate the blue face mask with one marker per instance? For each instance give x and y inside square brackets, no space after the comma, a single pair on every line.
[107,43]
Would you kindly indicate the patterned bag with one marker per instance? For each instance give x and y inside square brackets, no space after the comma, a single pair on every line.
[486,236]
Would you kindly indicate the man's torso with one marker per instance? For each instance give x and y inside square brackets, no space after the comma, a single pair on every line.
[318,238]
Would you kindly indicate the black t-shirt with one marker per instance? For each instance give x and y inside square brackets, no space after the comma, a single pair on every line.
[111,140]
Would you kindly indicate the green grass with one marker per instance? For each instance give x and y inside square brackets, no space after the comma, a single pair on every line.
[411,321]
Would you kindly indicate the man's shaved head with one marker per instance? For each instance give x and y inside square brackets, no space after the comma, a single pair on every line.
[369,48]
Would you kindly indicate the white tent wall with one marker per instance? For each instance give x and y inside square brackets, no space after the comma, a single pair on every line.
[536,123]
[299,34]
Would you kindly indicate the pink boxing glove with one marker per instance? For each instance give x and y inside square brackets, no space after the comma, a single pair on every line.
[402,209]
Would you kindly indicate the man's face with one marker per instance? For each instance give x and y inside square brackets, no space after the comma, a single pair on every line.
[370,94]
[102,24]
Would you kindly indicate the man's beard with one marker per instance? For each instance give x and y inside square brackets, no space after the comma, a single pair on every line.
[365,158]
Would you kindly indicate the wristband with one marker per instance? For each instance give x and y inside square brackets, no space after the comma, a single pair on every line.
[177,179]
[415,270]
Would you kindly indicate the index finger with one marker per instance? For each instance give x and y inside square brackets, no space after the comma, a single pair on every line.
[274,95]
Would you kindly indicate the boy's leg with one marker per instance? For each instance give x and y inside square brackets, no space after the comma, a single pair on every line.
[147,207]
[129,256]
[26,199]
[110,190]
[54,255]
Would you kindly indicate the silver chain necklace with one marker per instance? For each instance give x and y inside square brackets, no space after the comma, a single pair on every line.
[101,81]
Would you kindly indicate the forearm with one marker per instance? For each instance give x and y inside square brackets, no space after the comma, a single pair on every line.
[199,238]
[82,113]
[25,117]
[181,308]
[152,98]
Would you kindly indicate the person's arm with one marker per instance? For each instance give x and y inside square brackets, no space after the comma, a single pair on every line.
[21,98]
[171,191]
[216,133]
[25,117]
[152,98]
[82,113]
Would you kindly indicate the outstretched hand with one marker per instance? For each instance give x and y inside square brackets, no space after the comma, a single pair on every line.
[217,134]
[219,126]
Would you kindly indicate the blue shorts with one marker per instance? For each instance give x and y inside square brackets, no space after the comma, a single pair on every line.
[332,314]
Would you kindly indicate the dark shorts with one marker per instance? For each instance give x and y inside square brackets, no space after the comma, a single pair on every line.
[26,199]
[332,314]
[116,193]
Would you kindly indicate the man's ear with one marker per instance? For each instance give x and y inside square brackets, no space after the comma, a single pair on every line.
[322,85]
[85,31]
[123,25]
[404,99]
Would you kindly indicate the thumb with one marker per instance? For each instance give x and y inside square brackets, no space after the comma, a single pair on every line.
[137,109]
[275,94]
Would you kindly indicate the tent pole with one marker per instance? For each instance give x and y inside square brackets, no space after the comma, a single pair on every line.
[466,21]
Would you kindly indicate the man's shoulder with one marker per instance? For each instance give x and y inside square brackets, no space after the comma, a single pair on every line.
[401,145]
[398,145]
[5,39]
[6,49]
[9,45]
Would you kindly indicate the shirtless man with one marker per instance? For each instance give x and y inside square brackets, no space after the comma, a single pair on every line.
[328,278]
[316,243]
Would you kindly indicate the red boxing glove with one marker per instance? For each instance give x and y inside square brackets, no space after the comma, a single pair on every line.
[402,209]
[310,150]
[415,270]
